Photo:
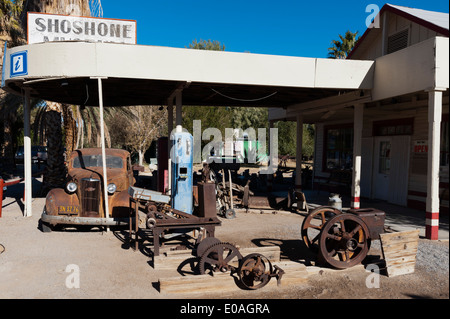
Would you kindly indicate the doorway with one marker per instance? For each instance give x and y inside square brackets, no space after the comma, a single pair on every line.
[391,168]
[382,167]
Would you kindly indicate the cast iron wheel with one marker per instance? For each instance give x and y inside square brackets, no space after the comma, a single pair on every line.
[230,214]
[344,241]
[254,271]
[220,257]
[313,223]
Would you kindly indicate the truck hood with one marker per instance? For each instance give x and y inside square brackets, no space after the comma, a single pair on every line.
[116,176]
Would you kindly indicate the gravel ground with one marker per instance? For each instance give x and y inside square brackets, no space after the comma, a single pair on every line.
[433,256]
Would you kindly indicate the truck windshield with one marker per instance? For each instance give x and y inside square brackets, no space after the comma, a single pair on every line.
[97,161]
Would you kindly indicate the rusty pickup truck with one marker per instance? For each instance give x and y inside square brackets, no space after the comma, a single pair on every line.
[81,202]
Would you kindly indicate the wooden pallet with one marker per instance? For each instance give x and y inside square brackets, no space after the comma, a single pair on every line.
[174,259]
[295,274]
[399,251]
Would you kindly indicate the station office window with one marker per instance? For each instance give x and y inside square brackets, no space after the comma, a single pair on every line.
[393,127]
[338,147]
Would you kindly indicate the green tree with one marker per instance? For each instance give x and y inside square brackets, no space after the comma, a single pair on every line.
[341,48]
[287,138]
[245,117]
[207,45]
[210,116]
[12,33]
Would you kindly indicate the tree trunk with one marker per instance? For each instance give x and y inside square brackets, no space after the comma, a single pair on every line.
[55,172]
[70,129]
[8,152]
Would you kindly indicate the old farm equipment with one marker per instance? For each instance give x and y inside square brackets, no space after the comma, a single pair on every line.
[230,195]
[254,270]
[162,219]
[342,239]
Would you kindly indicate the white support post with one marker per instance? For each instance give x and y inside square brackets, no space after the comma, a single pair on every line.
[179,106]
[27,156]
[299,154]
[434,137]
[357,136]
[102,136]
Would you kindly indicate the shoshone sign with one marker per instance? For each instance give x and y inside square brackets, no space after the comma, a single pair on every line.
[43,27]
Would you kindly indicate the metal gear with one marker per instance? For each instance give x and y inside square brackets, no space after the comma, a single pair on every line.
[205,244]
[218,257]
[255,271]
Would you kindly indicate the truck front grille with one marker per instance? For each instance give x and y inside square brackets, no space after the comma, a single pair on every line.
[90,197]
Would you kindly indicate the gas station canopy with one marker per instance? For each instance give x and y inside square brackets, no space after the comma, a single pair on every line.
[66,72]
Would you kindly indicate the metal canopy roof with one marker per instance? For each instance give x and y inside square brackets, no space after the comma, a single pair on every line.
[122,92]
[148,75]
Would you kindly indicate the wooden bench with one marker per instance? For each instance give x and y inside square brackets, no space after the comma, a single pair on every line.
[339,181]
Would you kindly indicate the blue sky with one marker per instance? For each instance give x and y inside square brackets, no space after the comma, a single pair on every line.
[283,27]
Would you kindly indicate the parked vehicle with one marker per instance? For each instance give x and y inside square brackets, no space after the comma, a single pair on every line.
[81,202]
[37,153]
[42,154]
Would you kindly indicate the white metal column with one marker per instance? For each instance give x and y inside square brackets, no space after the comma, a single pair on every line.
[102,136]
[357,136]
[434,139]
[27,156]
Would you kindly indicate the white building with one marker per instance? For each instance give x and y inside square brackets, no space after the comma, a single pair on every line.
[401,131]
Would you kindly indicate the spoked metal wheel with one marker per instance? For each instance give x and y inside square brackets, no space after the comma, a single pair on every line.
[255,271]
[313,224]
[220,257]
[344,241]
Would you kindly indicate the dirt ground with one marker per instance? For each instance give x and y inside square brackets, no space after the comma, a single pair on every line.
[39,265]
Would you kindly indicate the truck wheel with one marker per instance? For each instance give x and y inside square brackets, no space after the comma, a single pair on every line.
[46,228]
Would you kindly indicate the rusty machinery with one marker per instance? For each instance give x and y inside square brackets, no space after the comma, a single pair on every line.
[229,195]
[254,271]
[342,239]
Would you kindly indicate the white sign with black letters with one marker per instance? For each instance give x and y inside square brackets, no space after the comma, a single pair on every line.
[52,27]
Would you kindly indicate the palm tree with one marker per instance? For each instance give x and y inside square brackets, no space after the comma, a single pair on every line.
[12,33]
[57,113]
[342,47]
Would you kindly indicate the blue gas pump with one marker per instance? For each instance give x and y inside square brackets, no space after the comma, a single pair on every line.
[182,170]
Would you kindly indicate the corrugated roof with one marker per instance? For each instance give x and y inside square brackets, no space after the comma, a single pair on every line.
[439,19]
[436,21]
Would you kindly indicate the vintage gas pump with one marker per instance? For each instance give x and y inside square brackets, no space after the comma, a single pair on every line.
[181,170]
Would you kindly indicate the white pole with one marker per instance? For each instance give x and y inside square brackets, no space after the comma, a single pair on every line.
[102,135]
[27,156]
[434,130]
[357,136]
